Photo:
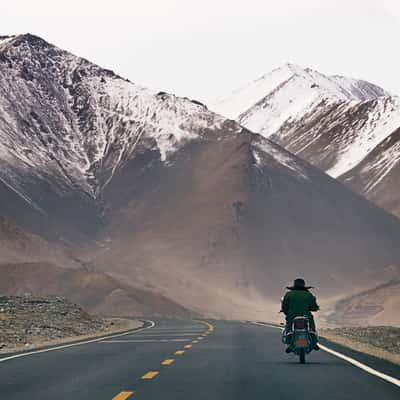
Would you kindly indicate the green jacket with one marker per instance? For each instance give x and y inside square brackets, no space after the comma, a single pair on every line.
[299,302]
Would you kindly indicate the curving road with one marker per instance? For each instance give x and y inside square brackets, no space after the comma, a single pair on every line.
[193,360]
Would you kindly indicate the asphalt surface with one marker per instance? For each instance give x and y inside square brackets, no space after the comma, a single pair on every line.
[227,360]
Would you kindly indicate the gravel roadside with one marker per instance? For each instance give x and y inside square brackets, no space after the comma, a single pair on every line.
[28,323]
[379,341]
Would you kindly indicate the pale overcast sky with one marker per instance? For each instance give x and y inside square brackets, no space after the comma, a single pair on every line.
[206,48]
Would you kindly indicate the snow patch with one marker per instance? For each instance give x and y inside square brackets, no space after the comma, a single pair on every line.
[264,147]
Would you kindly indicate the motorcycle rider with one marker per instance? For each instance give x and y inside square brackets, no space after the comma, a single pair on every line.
[298,302]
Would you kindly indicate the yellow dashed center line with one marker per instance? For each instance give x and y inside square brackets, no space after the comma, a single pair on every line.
[210,327]
[122,395]
[150,375]
[168,361]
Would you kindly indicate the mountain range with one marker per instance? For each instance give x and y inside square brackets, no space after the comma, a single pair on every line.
[159,205]
[348,128]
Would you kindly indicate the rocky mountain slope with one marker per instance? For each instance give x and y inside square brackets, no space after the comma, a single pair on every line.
[67,126]
[343,126]
[160,193]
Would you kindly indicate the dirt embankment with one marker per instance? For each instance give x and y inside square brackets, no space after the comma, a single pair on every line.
[376,306]
[378,341]
[28,322]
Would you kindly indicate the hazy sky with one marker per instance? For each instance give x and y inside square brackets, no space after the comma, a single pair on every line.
[206,48]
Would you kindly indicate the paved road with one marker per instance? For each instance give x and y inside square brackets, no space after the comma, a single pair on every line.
[228,360]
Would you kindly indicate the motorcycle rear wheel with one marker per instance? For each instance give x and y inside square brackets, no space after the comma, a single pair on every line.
[302,356]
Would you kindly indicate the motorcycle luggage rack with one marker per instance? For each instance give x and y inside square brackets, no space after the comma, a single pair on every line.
[300,323]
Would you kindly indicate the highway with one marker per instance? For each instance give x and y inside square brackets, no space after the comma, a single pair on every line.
[174,359]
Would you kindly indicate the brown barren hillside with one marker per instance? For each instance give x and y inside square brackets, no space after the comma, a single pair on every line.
[96,292]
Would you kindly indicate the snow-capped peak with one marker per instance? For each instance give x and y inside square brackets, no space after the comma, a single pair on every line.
[286,94]
[297,82]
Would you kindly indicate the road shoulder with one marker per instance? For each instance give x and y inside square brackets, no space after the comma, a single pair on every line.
[362,347]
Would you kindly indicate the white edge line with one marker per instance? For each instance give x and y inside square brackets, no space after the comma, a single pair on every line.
[152,324]
[170,333]
[145,341]
[350,360]
[151,334]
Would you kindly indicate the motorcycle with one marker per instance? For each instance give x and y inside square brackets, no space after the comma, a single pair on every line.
[300,339]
